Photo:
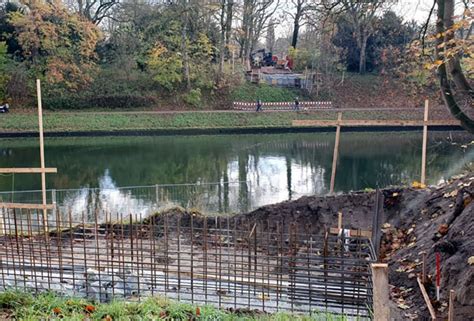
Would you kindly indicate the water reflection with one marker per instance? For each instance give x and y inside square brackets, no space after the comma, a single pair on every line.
[264,169]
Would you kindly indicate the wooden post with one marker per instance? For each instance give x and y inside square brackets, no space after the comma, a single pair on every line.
[43,173]
[381,291]
[336,151]
[427,299]
[425,138]
[339,221]
[452,296]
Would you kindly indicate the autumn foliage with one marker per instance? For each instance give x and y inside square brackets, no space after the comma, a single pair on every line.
[56,45]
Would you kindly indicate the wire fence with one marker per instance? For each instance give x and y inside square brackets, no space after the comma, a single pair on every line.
[208,198]
[230,262]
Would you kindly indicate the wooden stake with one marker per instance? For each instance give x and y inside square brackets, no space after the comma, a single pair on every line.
[27,170]
[452,296]
[336,151]
[425,139]
[427,299]
[381,291]
[43,172]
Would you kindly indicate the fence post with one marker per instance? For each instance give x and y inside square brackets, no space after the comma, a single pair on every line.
[452,296]
[425,139]
[53,200]
[336,151]
[381,291]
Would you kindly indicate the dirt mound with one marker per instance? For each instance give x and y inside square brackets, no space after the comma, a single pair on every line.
[435,219]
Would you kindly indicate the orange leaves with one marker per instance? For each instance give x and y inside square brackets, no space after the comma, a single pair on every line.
[198,311]
[89,308]
[418,185]
[57,310]
[56,42]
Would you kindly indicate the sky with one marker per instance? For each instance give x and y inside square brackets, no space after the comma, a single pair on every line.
[408,9]
[413,9]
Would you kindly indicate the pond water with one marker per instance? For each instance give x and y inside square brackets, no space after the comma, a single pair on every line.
[270,167]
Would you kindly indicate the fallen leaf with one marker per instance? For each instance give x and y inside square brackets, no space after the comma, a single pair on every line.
[418,185]
[443,229]
[89,308]
[403,306]
[470,260]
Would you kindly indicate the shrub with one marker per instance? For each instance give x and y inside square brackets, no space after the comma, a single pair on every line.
[193,98]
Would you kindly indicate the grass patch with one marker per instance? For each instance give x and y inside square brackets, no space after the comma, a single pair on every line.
[117,121]
[48,306]
[267,93]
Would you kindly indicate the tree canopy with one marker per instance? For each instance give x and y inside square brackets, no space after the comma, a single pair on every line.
[135,53]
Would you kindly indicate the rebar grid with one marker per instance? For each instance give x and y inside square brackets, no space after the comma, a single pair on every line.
[202,260]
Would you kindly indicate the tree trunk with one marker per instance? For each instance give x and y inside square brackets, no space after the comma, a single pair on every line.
[296,29]
[445,12]
[228,23]
[363,53]
[222,41]
[459,78]
[454,64]
[184,46]
[246,25]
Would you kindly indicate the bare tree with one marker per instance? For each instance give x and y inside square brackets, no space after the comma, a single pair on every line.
[225,21]
[270,36]
[451,66]
[362,17]
[255,17]
[94,10]
[300,17]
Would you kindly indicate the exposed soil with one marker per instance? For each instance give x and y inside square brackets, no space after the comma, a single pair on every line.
[435,219]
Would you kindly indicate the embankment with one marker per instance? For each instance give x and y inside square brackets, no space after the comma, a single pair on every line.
[435,219]
[191,123]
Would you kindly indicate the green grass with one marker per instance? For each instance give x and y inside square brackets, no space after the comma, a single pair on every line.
[116,121]
[17,305]
[267,93]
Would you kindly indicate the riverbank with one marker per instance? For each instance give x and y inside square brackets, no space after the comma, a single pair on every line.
[198,122]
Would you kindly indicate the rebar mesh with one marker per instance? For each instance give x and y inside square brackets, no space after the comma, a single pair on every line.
[204,260]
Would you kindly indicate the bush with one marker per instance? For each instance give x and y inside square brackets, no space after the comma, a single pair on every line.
[76,101]
[193,98]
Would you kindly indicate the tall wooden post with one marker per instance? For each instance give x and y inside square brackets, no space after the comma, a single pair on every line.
[425,139]
[452,296]
[336,151]
[41,138]
[381,291]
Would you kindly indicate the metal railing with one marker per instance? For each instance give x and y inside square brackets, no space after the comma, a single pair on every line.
[209,198]
[230,262]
